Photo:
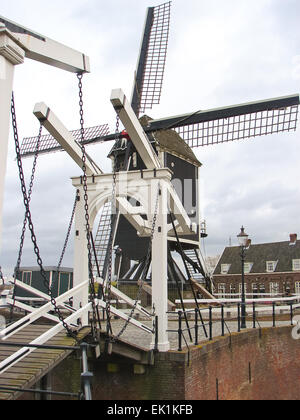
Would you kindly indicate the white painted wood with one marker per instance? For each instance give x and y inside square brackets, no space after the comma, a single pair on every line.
[27,320]
[25,351]
[134,129]
[28,308]
[124,298]
[125,317]
[61,134]
[81,270]
[39,293]
[160,271]
[45,50]
[10,55]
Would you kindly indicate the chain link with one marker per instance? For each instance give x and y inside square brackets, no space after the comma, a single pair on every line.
[145,271]
[30,224]
[111,244]
[86,209]
[67,237]
[17,267]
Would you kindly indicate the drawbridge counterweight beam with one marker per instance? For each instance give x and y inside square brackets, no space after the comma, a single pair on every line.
[56,128]
[16,44]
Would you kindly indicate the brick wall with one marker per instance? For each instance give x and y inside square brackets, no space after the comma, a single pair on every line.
[284,280]
[249,368]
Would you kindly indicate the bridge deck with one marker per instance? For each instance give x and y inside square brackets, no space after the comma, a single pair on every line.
[35,366]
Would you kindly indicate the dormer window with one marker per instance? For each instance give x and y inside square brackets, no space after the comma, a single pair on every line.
[248,267]
[26,277]
[271,266]
[296,265]
[225,268]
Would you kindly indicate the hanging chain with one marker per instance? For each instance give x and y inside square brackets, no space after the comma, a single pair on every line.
[29,219]
[22,239]
[67,238]
[111,239]
[86,209]
[145,271]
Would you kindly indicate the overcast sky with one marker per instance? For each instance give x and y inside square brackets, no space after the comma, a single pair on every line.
[220,53]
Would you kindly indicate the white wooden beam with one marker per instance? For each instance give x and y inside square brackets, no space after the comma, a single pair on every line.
[38,313]
[36,292]
[25,351]
[134,129]
[56,128]
[10,55]
[120,295]
[141,225]
[45,50]
[28,308]
[176,207]
[125,317]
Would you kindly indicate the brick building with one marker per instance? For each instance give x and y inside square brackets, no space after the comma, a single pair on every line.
[272,268]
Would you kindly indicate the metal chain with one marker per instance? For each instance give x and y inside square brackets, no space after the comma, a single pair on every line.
[86,209]
[29,219]
[17,267]
[22,239]
[110,246]
[147,263]
[67,237]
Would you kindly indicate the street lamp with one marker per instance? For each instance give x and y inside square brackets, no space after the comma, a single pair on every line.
[244,243]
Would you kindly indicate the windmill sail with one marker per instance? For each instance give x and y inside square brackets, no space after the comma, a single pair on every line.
[49,144]
[152,59]
[237,122]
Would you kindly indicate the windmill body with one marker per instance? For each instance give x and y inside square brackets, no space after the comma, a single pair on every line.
[149,205]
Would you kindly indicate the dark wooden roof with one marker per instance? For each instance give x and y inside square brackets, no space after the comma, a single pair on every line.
[171,142]
[259,254]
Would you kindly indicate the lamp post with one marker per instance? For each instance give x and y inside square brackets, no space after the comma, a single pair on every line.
[244,242]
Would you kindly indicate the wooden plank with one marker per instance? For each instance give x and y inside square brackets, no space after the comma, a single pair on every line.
[31,369]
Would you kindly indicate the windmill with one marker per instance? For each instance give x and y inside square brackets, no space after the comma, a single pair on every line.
[167,143]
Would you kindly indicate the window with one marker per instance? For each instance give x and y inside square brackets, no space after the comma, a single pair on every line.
[296,265]
[64,283]
[248,267]
[297,287]
[134,160]
[232,289]
[274,289]
[271,266]
[222,290]
[225,268]
[26,277]
[262,289]
[255,290]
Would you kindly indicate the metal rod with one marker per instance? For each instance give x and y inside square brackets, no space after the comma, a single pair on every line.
[239,317]
[196,327]
[222,321]
[210,324]
[180,331]
[86,376]
[40,391]
[254,316]
[274,315]
[292,314]
[156,334]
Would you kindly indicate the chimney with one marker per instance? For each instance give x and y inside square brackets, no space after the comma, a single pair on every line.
[293,238]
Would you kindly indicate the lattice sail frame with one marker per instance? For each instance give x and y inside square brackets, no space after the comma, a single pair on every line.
[49,144]
[149,92]
[240,127]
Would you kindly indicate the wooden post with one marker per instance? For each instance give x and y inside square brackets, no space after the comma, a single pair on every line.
[10,56]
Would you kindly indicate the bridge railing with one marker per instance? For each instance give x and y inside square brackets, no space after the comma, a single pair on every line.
[223,317]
